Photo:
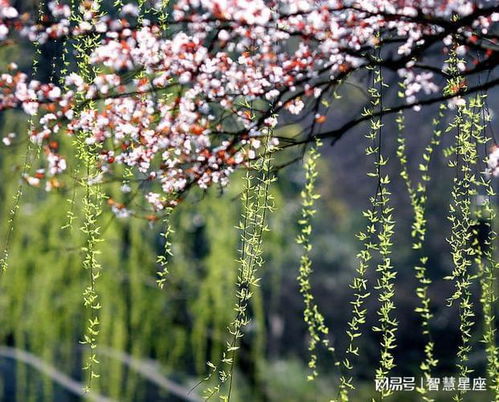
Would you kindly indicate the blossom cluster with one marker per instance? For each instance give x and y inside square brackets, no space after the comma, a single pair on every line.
[493,161]
[203,93]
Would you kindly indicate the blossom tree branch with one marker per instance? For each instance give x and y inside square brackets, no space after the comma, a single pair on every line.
[173,103]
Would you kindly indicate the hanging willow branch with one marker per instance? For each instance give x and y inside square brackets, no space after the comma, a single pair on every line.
[464,247]
[317,329]
[376,237]
[257,202]
[16,201]
[26,167]
[162,259]
[385,283]
[360,282]
[487,265]
[418,197]
[487,272]
[87,154]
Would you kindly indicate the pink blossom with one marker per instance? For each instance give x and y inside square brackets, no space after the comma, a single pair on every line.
[210,86]
[493,161]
